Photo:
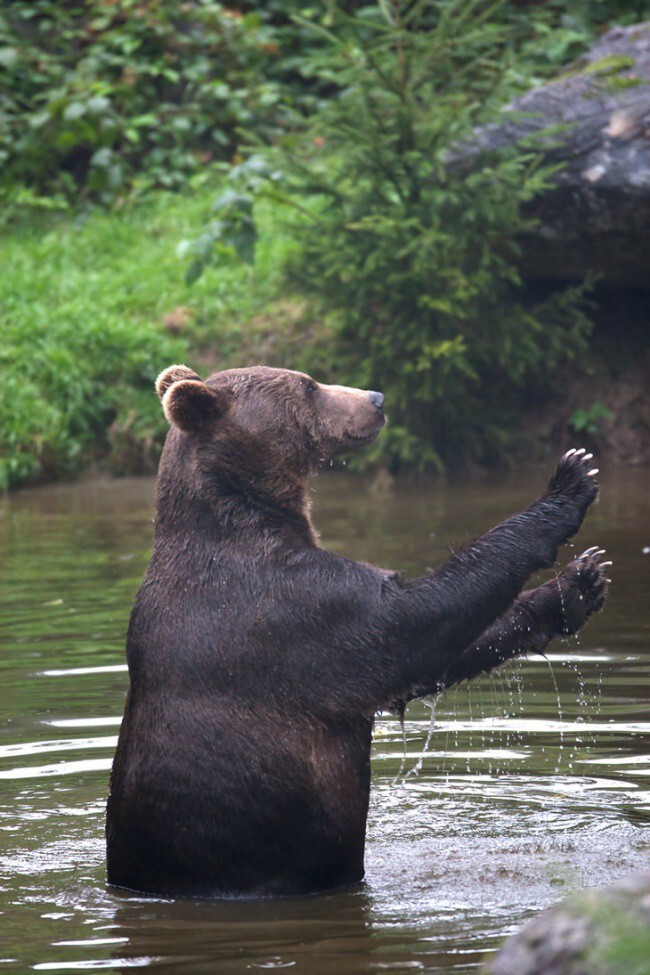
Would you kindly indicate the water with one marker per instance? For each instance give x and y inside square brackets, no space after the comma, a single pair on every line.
[523,794]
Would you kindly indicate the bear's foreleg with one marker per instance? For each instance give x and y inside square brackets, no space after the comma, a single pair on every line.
[558,608]
[438,616]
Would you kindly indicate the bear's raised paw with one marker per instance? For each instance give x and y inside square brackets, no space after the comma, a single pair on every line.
[574,478]
[583,588]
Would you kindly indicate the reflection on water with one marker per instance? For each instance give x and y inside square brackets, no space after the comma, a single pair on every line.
[485,808]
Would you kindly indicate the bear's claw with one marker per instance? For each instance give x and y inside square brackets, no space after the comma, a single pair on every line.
[590,553]
[573,479]
[584,588]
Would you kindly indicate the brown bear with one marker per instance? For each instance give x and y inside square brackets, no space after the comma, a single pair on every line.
[258,660]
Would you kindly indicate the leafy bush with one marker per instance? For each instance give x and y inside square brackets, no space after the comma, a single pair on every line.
[97,96]
[409,262]
[93,307]
[82,342]
[412,249]
[72,386]
[587,419]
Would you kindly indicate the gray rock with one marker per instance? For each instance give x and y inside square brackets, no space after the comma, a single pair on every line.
[597,215]
[599,932]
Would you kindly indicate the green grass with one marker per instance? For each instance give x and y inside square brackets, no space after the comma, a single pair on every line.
[83,303]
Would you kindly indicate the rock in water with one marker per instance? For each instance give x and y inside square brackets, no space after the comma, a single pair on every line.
[599,932]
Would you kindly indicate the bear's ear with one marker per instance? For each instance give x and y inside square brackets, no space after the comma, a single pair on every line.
[189,404]
[173,374]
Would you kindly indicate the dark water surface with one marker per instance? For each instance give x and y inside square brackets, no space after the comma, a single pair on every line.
[508,795]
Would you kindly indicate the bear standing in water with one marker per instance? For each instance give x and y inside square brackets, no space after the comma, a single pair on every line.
[258,660]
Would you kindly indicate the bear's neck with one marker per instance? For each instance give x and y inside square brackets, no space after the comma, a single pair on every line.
[272,520]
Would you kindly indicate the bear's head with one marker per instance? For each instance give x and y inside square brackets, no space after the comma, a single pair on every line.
[259,430]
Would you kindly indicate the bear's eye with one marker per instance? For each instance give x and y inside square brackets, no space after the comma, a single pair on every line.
[310,388]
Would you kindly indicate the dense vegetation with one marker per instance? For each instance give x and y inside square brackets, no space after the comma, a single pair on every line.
[412,251]
[343,121]
[102,99]
[93,309]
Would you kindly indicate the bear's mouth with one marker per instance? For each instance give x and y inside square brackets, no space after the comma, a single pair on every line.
[368,438]
[359,439]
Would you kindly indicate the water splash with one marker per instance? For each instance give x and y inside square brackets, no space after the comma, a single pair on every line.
[402,764]
[471,724]
[562,606]
[448,723]
[588,704]
[560,747]
[429,702]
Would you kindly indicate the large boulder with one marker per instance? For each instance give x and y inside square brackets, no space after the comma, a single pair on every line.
[599,932]
[597,215]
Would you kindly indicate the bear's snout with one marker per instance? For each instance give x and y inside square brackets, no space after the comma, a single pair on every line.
[351,417]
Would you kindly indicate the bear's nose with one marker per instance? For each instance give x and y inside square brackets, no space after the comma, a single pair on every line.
[377,399]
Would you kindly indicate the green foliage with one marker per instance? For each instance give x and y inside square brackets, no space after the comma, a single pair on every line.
[99,97]
[78,353]
[102,97]
[83,307]
[355,113]
[72,385]
[587,419]
[408,243]
[233,229]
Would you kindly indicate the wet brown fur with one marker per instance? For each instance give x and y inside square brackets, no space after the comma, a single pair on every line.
[257,659]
